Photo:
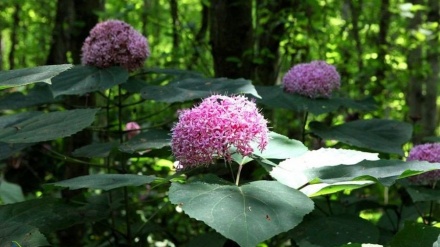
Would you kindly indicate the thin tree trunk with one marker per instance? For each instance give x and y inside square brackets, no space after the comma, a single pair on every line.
[231,36]
[14,35]
[382,46]
[200,36]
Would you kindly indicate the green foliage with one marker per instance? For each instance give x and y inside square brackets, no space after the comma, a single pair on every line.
[30,75]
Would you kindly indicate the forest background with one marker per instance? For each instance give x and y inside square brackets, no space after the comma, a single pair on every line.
[385,50]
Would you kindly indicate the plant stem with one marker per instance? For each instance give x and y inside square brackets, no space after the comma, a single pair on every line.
[303,135]
[238,174]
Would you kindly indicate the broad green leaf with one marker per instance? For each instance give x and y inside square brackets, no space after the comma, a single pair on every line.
[10,120]
[197,88]
[274,96]
[19,77]
[95,150]
[211,239]
[247,214]
[151,139]
[43,127]
[325,189]
[10,192]
[415,234]
[83,79]
[23,234]
[8,149]
[386,136]
[49,214]
[423,194]
[105,181]
[291,172]
[437,242]
[39,94]
[385,172]
[334,231]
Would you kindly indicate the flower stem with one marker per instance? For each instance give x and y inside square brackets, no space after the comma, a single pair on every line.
[238,174]
[303,136]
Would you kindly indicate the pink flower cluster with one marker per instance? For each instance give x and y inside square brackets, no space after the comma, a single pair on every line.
[314,80]
[425,152]
[115,43]
[132,129]
[208,131]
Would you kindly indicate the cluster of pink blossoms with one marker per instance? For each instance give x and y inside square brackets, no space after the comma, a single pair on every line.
[208,131]
[115,43]
[314,80]
[425,152]
[133,129]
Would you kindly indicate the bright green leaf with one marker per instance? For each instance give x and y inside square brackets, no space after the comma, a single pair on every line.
[380,135]
[197,88]
[44,126]
[151,139]
[19,77]
[105,181]
[83,79]
[415,234]
[248,214]
[10,192]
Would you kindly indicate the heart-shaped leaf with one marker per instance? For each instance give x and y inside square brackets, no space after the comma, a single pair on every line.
[19,77]
[415,234]
[105,181]
[197,88]
[24,235]
[83,79]
[37,127]
[247,214]
[382,135]
[151,139]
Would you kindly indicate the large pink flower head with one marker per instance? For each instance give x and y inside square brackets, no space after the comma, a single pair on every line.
[115,43]
[426,152]
[314,80]
[219,123]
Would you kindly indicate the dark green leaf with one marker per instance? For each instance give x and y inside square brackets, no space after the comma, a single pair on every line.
[40,94]
[23,234]
[415,234]
[423,194]
[105,181]
[19,77]
[10,192]
[380,135]
[175,72]
[211,239]
[151,139]
[385,171]
[83,79]
[274,96]
[8,149]
[248,214]
[95,150]
[334,231]
[197,88]
[37,127]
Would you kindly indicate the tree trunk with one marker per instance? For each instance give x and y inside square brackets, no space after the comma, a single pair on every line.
[231,36]
[14,35]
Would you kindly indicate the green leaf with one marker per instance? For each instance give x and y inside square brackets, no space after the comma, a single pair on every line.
[105,181]
[49,214]
[333,231]
[39,94]
[437,242]
[8,149]
[275,97]
[197,88]
[326,189]
[386,136]
[292,172]
[211,239]
[23,234]
[10,192]
[280,147]
[385,171]
[83,79]
[423,194]
[95,150]
[248,214]
[415,234]
[151,139]
[38,127]
[19,77]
